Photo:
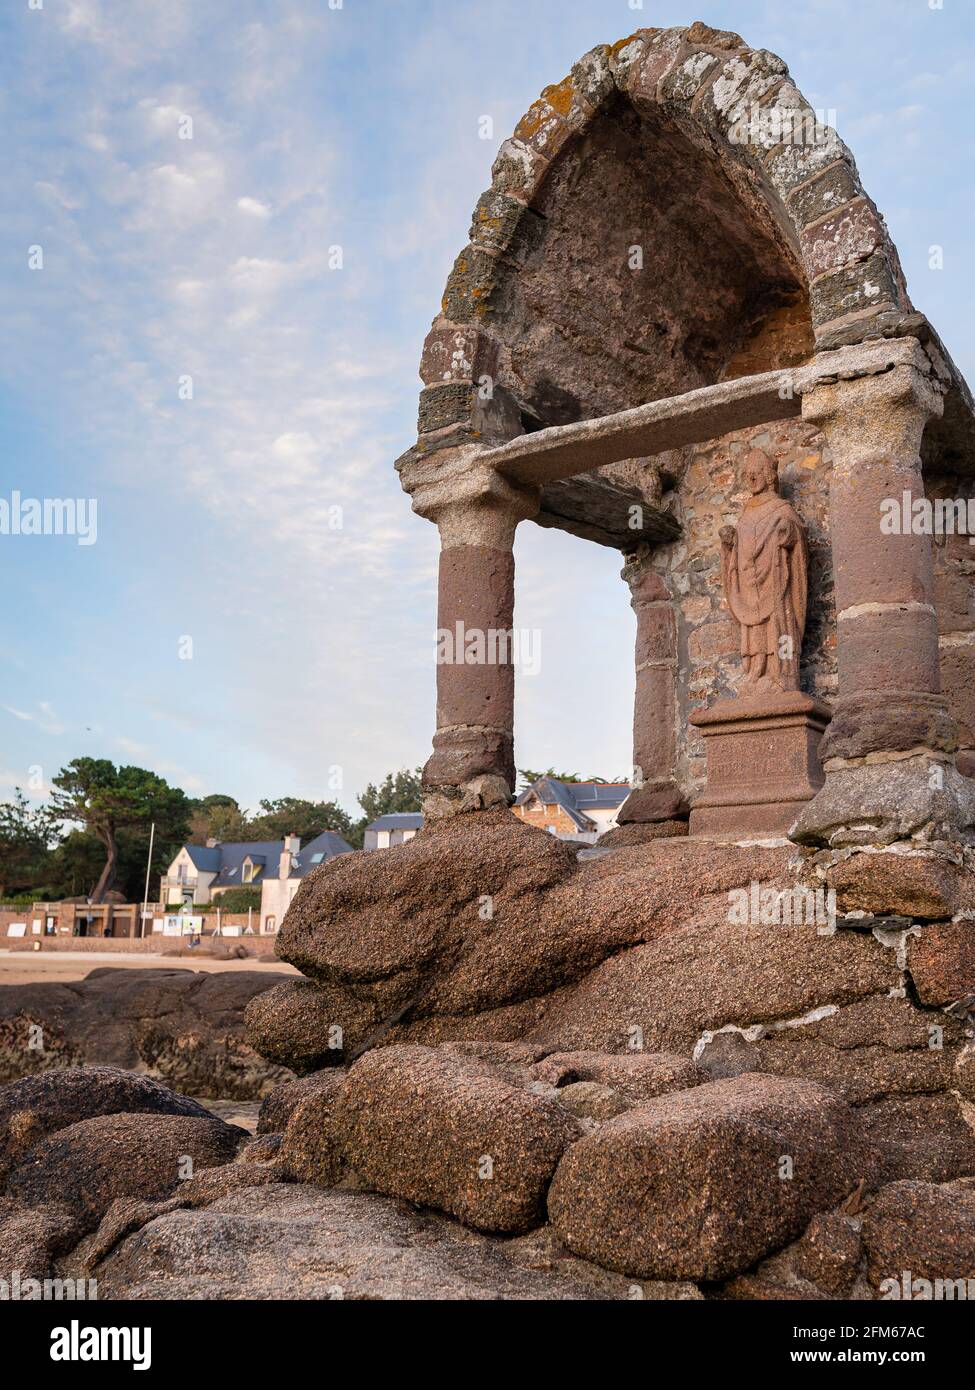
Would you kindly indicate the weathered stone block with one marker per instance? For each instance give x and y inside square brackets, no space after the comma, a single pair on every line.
[867,286]
[470,285]
[457,353]
[848,236]
[448,1132]
[906,885]
[941,960]
[824,194]
[692,1185]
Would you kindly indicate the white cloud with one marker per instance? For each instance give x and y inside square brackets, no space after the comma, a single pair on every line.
[253,208]
[44,717]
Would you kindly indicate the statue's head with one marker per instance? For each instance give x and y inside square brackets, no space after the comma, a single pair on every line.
[759,473]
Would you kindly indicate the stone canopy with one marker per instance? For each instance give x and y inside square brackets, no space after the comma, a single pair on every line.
[677,263]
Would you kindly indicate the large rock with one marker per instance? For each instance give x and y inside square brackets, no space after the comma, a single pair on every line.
[481,911]
[452,1133]
[90,1164]
[311,1146]
[308,1026]
[665,995]
[865,1051]
[185,1027]
[36,1106]
[700,1184]
[922,1231]
[287,1241]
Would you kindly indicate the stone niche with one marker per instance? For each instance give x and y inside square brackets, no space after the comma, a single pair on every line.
[706,497]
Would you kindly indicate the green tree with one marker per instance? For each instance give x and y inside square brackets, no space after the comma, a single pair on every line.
[108,801]
[76,865]
[26,836]
[528,776]
[398,791]
[291,815]
[217,817]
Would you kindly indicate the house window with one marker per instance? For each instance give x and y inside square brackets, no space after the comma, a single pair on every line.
[270,924]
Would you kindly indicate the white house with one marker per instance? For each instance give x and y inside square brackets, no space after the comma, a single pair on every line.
[199,874]
[393,829]
[293,864]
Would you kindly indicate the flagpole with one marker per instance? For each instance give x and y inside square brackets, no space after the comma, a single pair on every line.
[145,900]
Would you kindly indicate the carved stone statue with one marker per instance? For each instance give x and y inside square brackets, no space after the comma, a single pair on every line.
[765,575]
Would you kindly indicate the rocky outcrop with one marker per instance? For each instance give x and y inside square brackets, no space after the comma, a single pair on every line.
[451,1133]
[290,1241]
[40,1105]
[516,923]
[183,1026]
[702,1183]
[93,1162]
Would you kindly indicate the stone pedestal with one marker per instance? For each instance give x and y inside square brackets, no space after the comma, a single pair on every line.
[763,763]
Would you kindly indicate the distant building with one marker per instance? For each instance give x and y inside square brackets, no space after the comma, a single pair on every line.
[572,810]
[200,873]
[293,864]
[394,829]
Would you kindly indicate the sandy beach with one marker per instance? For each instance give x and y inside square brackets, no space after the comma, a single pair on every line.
[31,967]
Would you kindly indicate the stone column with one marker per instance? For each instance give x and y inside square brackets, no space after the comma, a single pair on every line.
[476,511]
[656,796]
[888,751]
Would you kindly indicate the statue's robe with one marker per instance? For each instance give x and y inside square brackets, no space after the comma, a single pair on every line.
[765,574]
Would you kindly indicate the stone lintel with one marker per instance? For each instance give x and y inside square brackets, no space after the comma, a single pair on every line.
[695,417]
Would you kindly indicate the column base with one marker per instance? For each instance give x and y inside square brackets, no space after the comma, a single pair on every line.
[919,796]
[485,793]
[763,764]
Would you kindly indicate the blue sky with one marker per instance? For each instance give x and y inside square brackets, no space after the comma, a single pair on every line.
[312,647]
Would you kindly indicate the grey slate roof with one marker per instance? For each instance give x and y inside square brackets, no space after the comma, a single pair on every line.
[398,820]
[264,853]
[317,851]
[576,798]
[227,861]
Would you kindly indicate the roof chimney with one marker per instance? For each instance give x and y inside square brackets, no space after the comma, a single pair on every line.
[291,846]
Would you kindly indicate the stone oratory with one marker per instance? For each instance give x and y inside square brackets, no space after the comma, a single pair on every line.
[676,271]
[680,330]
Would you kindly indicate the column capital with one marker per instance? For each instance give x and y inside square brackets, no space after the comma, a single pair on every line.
[472,503]
[882,412]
